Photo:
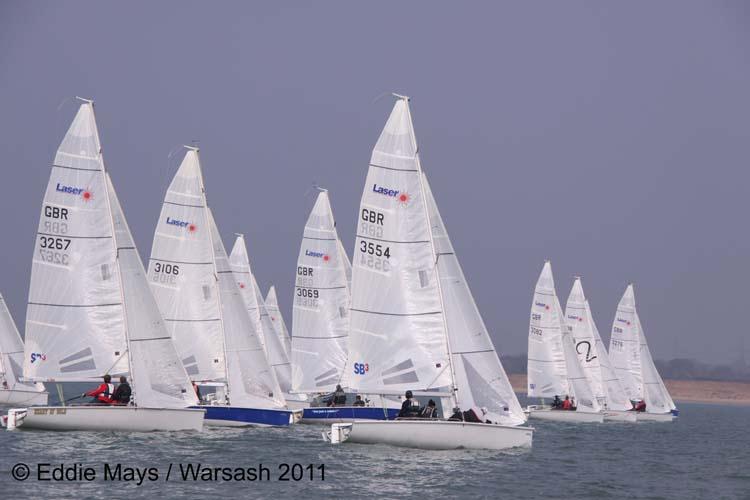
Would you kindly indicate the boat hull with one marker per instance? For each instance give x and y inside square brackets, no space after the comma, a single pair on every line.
[655,417]
[565,416]
[437,434]
[328,415]
[619,416]
[233,416]
[110,418]
[17,397]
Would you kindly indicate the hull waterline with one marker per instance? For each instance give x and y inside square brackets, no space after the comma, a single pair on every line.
[655,417]
[435,434]
[110,418]
[17,397]
[620,416]
[565,415]
[233,416]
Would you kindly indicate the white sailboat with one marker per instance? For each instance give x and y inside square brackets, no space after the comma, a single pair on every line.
[553,365]
[414,324]
[261,319]
[594,358]
[90,310]
[204,310]
[634,365]
[12,391]
[277,320]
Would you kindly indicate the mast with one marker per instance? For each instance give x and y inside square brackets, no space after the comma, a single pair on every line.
[454,389]
[117,255]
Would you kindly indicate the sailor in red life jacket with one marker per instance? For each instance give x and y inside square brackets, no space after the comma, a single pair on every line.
[567,405]
[103,393]
[640,406]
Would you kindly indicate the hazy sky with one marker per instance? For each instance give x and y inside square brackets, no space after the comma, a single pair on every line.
[612,138]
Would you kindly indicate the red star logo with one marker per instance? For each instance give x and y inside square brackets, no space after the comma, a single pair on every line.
[87,195]
[326,258]
[546,307]
[404,198]
[273,318]
[628,322]
[580,319]
[242,285]
[192,228]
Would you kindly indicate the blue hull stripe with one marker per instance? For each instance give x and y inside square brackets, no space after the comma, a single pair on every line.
[256,416]
[350,412]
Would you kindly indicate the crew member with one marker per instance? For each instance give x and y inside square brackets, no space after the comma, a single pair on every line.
[338,398]
[103,393]
[358,401]
[556,403]
[410,407]
[122,393]
[429,411]
[567,405]
[640,405]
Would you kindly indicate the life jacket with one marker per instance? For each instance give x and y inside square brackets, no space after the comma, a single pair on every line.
[123,393]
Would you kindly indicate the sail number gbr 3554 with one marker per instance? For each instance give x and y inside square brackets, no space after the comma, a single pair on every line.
[371,254]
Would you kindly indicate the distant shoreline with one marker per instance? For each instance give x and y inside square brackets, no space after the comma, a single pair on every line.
[692,391]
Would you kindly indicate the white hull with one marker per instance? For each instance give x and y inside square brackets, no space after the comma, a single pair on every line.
[21,397]
[436,434]
[565,415]
[619,416]
[655,417]
[111,418]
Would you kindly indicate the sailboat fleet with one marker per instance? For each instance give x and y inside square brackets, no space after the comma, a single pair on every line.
[199,344]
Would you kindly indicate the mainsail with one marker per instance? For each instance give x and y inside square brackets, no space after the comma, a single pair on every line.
[90,308]
[276,354]
[11,353]
[398,337]
[591,352]
[320,326]
[277,320]
[632,358]
[239,262]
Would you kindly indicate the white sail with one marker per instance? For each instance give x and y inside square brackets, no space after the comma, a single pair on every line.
[398,338]
[320,325]
[158,378]
[577,379]
[75,319]
[277,357]
[478,371]
[11,353]
[591,352]
[240,265]
[182,274]
[546,372]
[633,356]
[250,380]
[277,319]
[624,347]
[347,264]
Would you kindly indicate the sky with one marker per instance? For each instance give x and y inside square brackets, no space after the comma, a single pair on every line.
[610,137]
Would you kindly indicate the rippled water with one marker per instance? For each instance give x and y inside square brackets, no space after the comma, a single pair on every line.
[706,454]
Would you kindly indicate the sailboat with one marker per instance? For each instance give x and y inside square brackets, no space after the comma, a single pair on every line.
[553,365]
[273,345]
[634,365]
[12,391]
[320,327]
[277,320]
[205,312]
[414,324]
[90,309]
[594,358]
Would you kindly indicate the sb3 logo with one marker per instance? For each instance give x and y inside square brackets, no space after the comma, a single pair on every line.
[361,368]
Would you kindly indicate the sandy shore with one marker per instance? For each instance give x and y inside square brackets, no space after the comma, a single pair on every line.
[698,391]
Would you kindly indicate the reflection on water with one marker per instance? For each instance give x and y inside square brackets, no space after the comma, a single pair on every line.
[703,455]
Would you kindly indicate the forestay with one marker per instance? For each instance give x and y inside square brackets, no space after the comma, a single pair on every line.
[239,262]
[320,325]
[158,378]
[591,352]
[182,274]
[11,353]
[277,320]
[75,319]
[546,371]
[397,337]
[480,377]
[250,380]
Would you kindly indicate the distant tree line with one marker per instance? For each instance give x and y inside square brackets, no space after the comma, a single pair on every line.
[675,369]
